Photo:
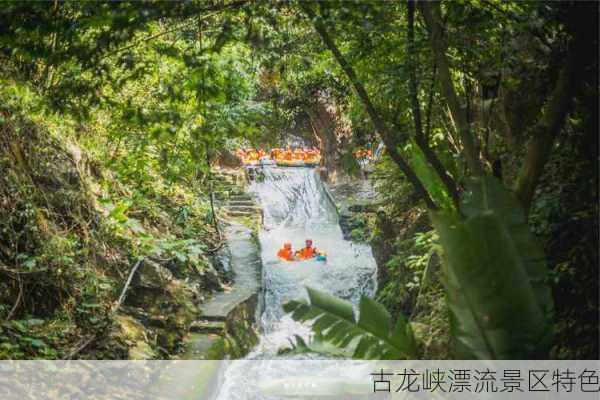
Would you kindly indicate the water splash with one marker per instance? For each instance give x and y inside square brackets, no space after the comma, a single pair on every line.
[297,208]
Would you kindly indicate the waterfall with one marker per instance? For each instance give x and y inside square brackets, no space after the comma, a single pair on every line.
[296,208]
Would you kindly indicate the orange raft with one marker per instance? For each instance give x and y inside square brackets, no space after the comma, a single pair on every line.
[320,256]
[298,158]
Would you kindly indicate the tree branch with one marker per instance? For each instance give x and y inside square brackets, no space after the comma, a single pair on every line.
[431,12]
[430,102]
[420,138]
[545,131]
[18,300]
[86,342]
[388,139]
[117,305]
[580,55]
[148,38]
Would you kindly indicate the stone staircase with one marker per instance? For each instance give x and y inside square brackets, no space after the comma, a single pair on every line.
[232,200]
[230,314]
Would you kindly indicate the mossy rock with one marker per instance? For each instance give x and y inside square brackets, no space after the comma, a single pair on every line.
[202,346]
[141,351]
[168,339]
[129,329]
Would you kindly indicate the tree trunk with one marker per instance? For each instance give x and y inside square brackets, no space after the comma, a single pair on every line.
[420,138]
[431,12]
[388,139]
[324,128]
[546,129]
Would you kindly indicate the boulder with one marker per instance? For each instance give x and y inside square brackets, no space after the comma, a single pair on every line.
[210,279]
[129,329]
[147,319]
[152,275]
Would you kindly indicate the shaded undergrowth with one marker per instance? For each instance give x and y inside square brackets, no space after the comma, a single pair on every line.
[71,230]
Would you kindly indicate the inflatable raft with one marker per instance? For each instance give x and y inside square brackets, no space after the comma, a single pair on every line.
[267,161]
[321,257]
[289,163]
[298,163]
[312,163]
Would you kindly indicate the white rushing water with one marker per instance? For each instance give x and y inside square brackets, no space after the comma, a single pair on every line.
[296,208]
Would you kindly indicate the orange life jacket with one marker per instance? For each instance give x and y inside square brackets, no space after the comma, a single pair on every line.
[307,252]
[286,254]
[298,154]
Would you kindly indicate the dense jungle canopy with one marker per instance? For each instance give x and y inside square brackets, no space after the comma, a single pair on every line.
[115,115]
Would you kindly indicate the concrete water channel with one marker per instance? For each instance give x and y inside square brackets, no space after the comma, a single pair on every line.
[248,320]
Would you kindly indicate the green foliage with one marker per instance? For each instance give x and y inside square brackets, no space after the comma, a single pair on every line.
[410,282]
[25,339]
[565,216]
[409,265]
[487,194]
[316,345]
[86,196]
[418,262]
[370,336]
[358,224]
[349,164]
[496,280]
[428,176]
[110,115]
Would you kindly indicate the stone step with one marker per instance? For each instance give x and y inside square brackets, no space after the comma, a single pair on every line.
[237,195]
[233,213]
[243,203]
[228,182]
[199,346]
[222,180]
[208,326]
[226,219]
[221,195]
[252,209]
[220,190]
[237,198]
[213,317]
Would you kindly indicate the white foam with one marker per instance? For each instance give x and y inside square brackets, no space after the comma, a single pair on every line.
[296,208]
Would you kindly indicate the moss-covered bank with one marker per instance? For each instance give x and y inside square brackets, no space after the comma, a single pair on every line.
[71,232]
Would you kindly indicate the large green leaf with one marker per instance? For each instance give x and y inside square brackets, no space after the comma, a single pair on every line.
[499,301]
[488,194]
[316,344]
[431,180]
[370,336]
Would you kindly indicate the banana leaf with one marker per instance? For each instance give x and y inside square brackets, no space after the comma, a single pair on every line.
[317,345]
[488,194]
[494,273]
[431,180]
[371,336]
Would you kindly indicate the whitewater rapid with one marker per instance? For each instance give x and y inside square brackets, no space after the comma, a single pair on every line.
[296,207]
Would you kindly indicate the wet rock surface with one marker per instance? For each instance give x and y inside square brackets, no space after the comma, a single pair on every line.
[152,275]
[230,314]
[353,199]
[363,218]
[225,324]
